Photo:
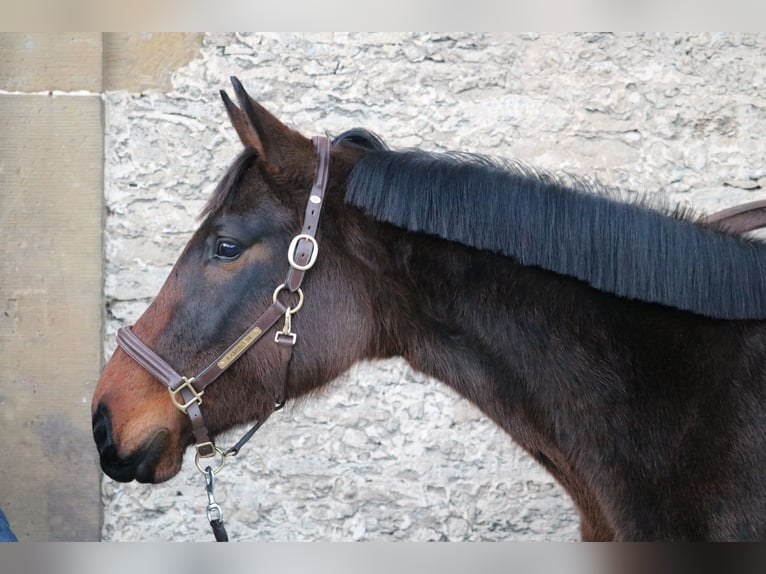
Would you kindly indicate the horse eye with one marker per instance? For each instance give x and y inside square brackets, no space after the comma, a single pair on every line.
[227,250]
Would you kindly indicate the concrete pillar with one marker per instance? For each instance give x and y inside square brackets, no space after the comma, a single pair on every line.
[51,221]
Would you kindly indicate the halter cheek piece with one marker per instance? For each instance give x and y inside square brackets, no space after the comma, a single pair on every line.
[186,393]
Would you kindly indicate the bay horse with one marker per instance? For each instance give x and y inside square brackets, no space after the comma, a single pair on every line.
[621,345]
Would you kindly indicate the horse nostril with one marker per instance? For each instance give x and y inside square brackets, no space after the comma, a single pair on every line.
[102,428]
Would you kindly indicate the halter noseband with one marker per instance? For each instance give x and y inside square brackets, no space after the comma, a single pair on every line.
[186,393]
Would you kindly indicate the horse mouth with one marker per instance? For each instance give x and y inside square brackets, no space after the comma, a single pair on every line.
[140,465]
[152,452]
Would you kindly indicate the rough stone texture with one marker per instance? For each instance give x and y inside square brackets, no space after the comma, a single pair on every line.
[386,454]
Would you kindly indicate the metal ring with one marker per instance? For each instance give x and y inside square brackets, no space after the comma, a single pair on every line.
[215,470]
[294,246]
[290,309]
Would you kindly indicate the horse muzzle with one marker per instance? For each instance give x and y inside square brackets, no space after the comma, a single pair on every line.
[140,465]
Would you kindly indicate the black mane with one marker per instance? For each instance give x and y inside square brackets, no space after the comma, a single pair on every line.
[624,248]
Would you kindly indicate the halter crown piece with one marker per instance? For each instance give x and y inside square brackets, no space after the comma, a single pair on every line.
[186,393]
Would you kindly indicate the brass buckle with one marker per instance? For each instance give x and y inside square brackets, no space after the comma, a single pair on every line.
[187,384]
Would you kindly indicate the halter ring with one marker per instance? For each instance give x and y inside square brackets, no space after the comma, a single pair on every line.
[216,470]
[292,310]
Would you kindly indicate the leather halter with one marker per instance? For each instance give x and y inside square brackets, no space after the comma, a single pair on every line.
[186,393]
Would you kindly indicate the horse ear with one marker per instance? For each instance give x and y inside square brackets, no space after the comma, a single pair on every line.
[247,135]
[259,129]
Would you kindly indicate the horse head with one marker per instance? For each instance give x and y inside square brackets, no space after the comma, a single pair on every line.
[225,277]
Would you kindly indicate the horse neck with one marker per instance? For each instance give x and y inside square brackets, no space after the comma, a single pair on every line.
[595,387]
[516,341]
[520,343]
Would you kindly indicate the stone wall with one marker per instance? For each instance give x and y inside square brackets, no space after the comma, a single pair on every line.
[384,453]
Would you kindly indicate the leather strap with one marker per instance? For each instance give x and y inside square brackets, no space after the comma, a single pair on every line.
[164,373]
[304,247]
[148,359]
[249,338]
[740,218]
